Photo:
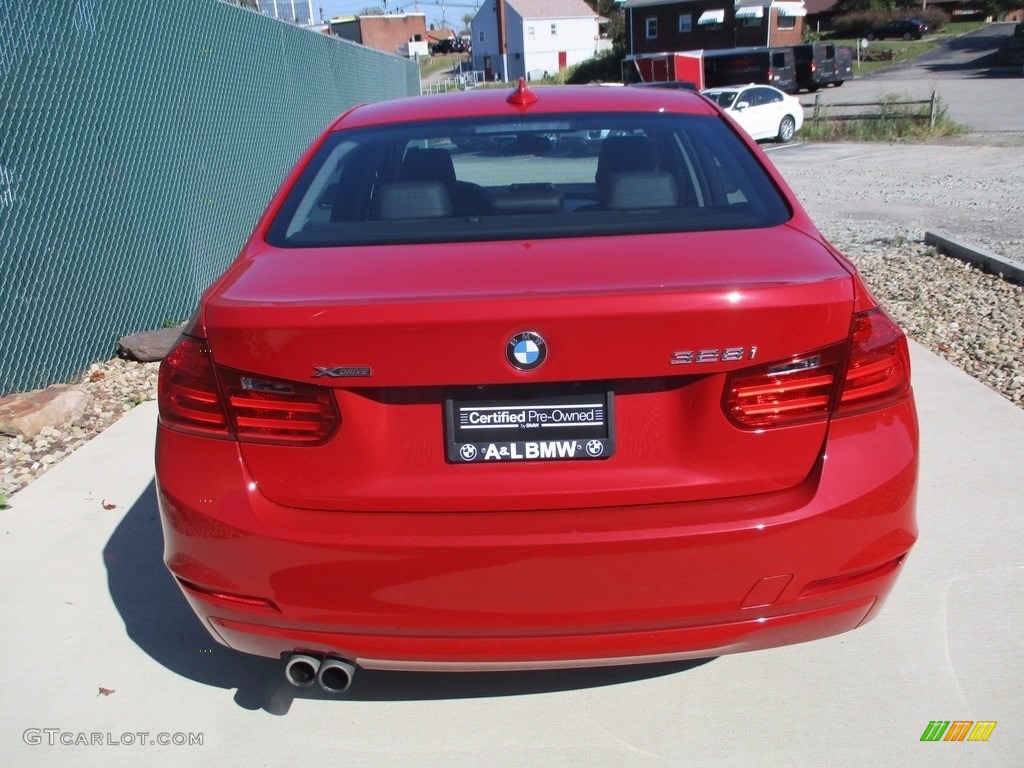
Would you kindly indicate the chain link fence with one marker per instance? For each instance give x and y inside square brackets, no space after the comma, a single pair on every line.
[139,142]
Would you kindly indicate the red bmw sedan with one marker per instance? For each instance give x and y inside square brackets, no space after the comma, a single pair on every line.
[477,395]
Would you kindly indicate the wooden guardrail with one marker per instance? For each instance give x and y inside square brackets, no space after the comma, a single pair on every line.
[883,106]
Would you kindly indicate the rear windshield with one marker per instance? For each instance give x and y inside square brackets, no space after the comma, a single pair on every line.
[723,99]
[477,180]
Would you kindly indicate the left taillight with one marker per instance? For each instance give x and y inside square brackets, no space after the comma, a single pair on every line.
[264,410]
[188,394]
[199,397]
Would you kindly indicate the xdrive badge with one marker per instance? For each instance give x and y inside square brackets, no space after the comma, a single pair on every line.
[341,372]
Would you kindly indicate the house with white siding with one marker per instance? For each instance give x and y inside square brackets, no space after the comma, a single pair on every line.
[538,37]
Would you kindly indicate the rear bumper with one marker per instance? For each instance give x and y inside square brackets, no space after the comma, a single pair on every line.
[557,651]
[553,588]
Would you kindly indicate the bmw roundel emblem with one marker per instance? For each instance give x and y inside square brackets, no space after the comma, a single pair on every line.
[526,351]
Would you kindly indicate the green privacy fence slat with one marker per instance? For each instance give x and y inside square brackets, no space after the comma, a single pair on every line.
[139,142]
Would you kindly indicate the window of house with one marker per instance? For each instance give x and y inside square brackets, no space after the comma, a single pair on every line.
[530,34]
[554,30]
[787,22]
[651,27]
[685,23]
[481,37]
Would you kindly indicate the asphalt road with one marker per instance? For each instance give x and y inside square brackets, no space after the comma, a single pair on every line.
[987,98]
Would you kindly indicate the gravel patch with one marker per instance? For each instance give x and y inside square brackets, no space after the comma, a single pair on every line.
[115,386]
[973,319]
[874,191]
[876,201]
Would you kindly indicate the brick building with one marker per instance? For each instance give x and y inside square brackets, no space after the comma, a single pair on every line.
[391,33]
[653,26]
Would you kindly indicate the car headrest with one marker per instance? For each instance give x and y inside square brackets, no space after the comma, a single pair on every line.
[411,200]
[625,154]
[428,165]
[629,191]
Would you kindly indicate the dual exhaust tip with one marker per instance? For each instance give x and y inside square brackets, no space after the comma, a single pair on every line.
[332,675]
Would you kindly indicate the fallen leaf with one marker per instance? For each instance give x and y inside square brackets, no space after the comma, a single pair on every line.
[105,691]
[97,376]
[109,505]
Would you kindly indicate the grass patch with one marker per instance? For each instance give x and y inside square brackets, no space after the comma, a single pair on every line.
[3,501]
[956,28]
[431,64]
[891,120]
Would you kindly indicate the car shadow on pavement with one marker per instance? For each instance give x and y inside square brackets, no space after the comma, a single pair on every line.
[160,621]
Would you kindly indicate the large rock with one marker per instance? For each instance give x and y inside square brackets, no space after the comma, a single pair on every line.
[28,413]
[149,346]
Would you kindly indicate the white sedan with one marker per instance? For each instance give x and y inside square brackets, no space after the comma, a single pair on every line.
[761,110]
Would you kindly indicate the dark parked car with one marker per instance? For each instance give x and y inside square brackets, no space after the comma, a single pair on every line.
[821,64]
[906,29]
[449,45]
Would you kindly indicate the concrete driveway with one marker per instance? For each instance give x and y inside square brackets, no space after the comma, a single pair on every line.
[89,608]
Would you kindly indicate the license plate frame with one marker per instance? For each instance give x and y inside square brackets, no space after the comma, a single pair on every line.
[543,424]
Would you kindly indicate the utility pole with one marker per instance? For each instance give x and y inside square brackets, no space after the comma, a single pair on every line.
[502,44]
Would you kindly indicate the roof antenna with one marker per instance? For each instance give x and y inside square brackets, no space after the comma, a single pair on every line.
[522,96]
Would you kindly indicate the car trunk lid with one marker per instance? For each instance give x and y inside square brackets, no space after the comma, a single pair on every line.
[647,327]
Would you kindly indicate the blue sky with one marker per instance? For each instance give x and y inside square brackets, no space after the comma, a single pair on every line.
[453,12]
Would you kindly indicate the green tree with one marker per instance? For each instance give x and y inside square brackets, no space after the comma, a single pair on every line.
[616,21]
[850,6]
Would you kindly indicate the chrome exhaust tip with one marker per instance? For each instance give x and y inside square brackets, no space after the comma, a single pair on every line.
[335,675]
[301,670]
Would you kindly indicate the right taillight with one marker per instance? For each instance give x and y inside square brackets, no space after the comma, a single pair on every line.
[811,386]
[784,392]
[878,370]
